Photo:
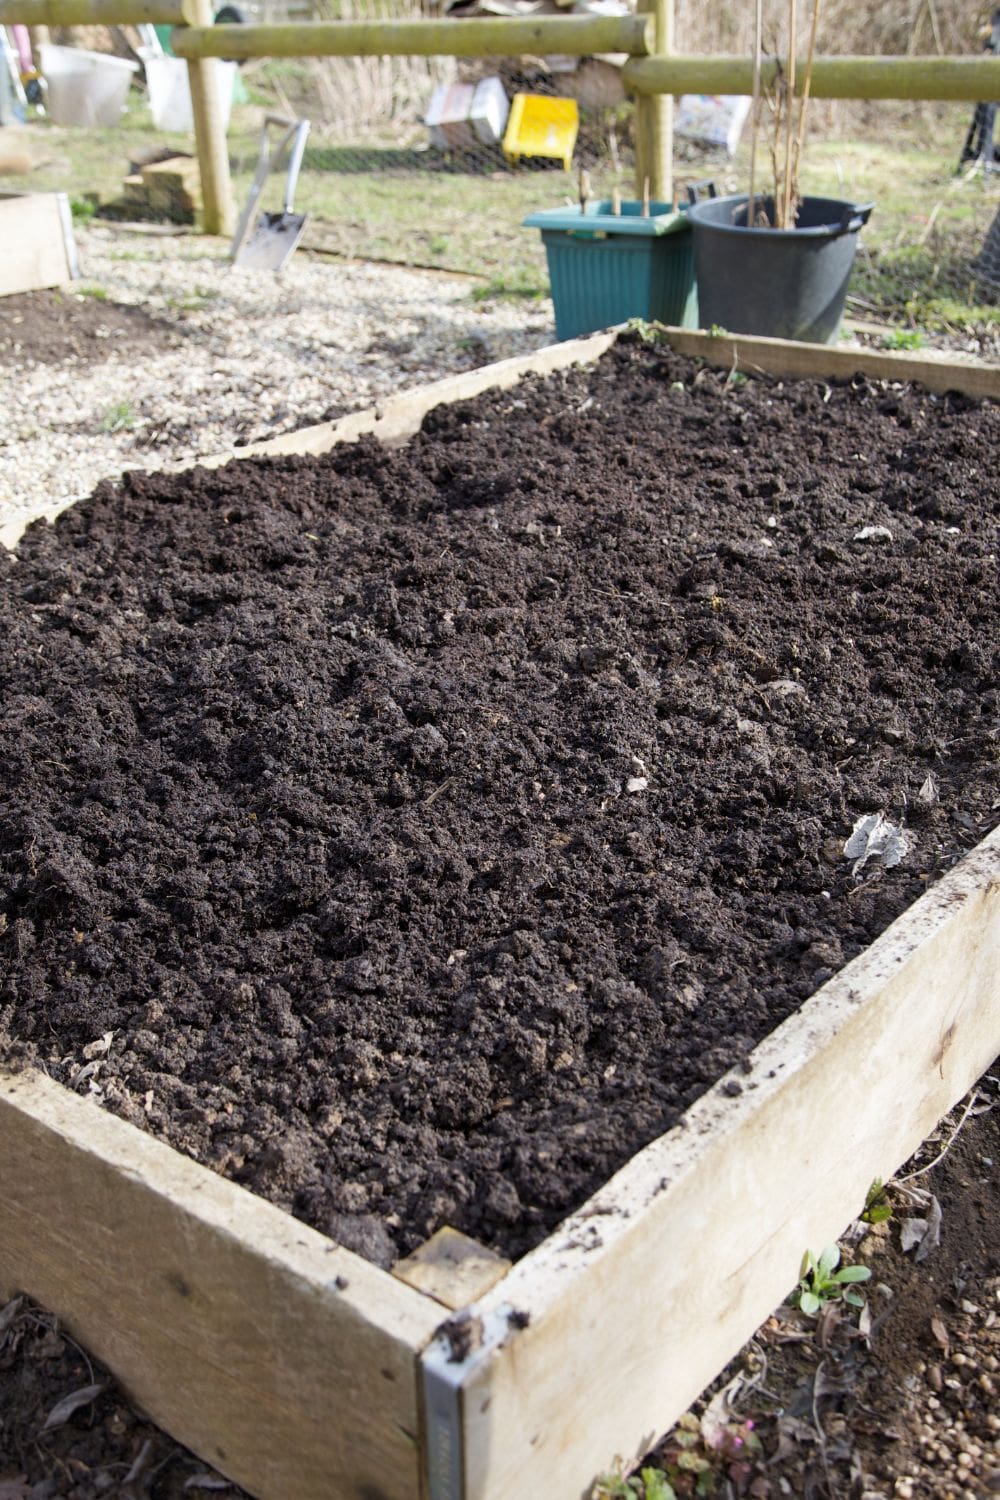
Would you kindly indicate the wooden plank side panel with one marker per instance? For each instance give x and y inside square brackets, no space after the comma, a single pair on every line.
[33,250]
[284,1360]
[786,357]
[645,1294]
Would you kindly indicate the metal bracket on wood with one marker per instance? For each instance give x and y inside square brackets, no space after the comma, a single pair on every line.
[463,1342]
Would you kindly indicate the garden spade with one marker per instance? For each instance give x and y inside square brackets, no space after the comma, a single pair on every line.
[268,244]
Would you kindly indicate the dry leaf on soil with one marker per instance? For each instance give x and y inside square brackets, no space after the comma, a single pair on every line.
[64,1409]
[924,1234]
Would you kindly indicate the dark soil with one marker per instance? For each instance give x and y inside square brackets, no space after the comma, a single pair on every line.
[318,856]
[56,327]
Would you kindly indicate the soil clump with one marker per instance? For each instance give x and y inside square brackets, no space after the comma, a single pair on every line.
[412,835]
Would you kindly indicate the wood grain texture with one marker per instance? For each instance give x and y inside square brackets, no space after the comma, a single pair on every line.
[654,115]
[452,1268]
[479,36]
[795,360]
[962,78]
[641,1297]
[287,1362]
[33,248]
[218,205]
[94,12]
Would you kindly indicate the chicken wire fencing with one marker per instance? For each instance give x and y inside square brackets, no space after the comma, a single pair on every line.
[405,160]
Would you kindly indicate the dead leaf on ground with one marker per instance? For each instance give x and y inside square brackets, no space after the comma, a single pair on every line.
[719,1412]
[940,1332]
[922,1234]
[826,1324]
[64,1409]
[140,1463]
[9,1313]
[791,1432]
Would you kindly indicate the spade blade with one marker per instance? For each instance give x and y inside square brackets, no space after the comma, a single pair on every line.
[272,242]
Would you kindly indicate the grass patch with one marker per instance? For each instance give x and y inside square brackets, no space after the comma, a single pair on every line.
[522,284]
[93,293]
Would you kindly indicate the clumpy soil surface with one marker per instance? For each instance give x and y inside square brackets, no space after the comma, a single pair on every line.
[57,327]
[413,835]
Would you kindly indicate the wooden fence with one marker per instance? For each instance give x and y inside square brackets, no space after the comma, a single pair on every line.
[653,73]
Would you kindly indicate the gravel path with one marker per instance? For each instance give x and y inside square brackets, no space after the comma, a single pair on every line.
[232,357]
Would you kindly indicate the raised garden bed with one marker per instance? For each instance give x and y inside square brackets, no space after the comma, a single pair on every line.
[429,732]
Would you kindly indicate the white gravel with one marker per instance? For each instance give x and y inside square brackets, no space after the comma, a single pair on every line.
[252,355]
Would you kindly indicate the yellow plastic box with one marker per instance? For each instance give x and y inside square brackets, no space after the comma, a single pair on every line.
[541,126]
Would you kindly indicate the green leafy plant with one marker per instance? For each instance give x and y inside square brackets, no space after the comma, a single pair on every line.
[83,208]
[903,338]
[821,1282]
[648,1484]
[118,417]
[877,1207]
[646,333]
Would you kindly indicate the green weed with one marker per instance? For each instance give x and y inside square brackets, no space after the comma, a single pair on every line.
[821,1282]
[93,293]
[83,208]
[648,1484]
[877,1207]
[119,417]
[903,338]
[646,333]
[518,285]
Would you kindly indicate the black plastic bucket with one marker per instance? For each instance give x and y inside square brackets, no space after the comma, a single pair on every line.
[783,283]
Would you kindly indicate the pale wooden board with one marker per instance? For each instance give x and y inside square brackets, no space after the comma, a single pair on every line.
[754,356]
[34,252]
[452,1268]
[641,1297]
[220,1313]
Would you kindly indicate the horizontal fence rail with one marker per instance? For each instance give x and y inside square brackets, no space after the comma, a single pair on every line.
[487,36]
[97,12]
[957,78]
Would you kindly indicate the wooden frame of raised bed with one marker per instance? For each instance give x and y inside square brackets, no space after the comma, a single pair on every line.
[305,1373]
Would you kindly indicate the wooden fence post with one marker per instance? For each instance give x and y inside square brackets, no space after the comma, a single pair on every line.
[654,115]
[218,206]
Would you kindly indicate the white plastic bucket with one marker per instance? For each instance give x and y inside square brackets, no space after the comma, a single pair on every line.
[85,88]
[170,94]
